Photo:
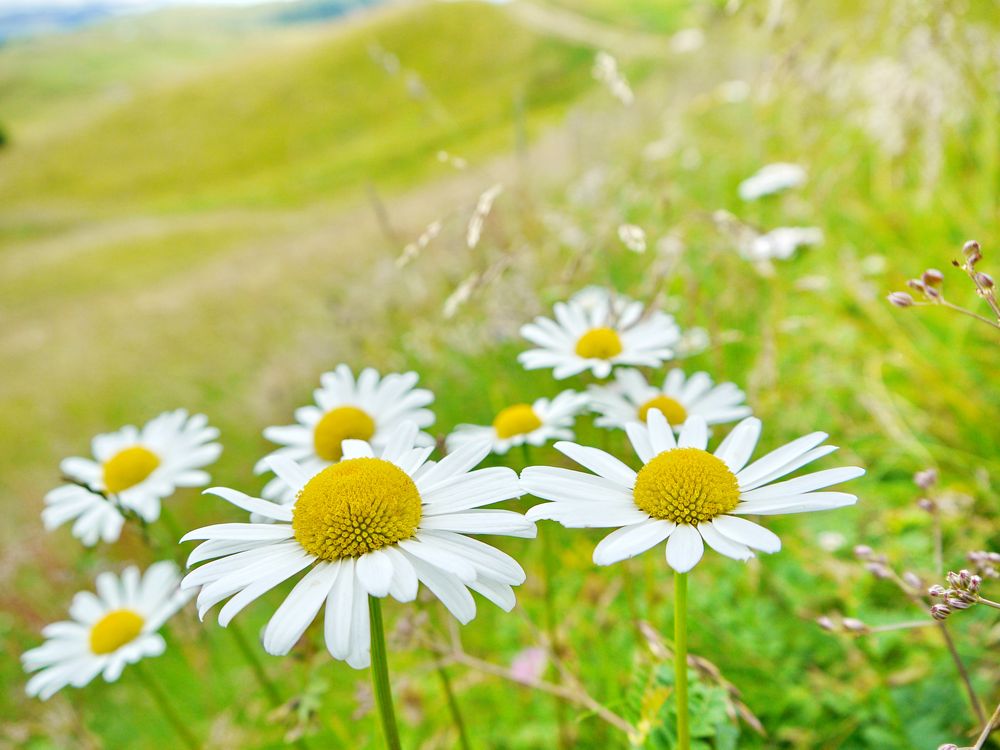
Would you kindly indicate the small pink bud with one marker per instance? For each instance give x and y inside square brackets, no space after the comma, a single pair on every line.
[926,478]
[932,277]
[984,280]
[900,299]
[940,612]
[862,551]
[970,247]
[853,625]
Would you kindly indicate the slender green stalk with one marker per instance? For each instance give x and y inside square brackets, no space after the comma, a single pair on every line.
[251,658]
[680,660]
[456,714]
[380,676]
[163,703]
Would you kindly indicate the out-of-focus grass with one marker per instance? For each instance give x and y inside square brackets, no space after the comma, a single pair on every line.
[99,333]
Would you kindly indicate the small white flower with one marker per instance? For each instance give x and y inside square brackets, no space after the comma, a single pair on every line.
[771,179]
[630,398]
[781,243]
[115,627]
[632,237]
[683,494]
[374,524]
[370,408]
[598,338]
[534,424]
[133,469]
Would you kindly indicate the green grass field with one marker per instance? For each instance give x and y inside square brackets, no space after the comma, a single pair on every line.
[187,218]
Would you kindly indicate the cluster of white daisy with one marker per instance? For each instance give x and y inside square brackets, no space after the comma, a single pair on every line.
[359,508]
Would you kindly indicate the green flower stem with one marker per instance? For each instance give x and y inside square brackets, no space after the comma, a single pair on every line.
[251,658]
[456,714]
[163,703]
[380,676]
[680,660]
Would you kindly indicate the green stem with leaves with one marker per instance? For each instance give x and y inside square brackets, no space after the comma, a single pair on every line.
[380,676]
[680,660]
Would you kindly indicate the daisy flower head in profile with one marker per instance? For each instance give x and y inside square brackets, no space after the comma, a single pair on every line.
[524,424]
[374,524]
[771,179]
[368,408]
[132,470]
[684,494]
[116,626]
[597,337]
[630,399]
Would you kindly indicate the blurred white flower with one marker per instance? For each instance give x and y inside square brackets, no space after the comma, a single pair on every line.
[368,408]
[633,237]
[687,40]
[483,207]
[132,469]
[771,179]
[606,71]
[532,424]
[115,627]
[781,243]
[598,339]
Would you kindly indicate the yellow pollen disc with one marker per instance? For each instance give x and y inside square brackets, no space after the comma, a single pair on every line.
[519,419]
[337,425]
[599,343]
[114,630]
[354,507]
[672,409]
[687,486]
[129,467]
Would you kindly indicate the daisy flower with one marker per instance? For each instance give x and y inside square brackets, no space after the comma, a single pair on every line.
[598,337]
[683,494]
[134,469]
[115,627]
[95,518]
[534,424]
[780,243]
[770,179]
[369,408]
[630,398]
[374,524]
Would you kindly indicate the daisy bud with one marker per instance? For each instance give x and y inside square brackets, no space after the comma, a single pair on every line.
[931,292]
[913,580]
[958,602]
[878,569]
[926,504]
[984,280]
[917,284]
[948,746]
[862,551]
[932,277]
[940,612]
[854,626]
[936,591]
[926,478]
[970,249]
[900,299]
[826,623]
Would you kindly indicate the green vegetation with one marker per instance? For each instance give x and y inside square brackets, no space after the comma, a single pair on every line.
[207,243]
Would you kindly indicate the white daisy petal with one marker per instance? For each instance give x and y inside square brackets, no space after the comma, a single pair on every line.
[661,436]
[374,571]
[601,463]
[738,445]
[800,485]
[630,541]
[694,434]
[723,544]
[299,609]
[684,548]
[810,501]
[748,533]
[252,504]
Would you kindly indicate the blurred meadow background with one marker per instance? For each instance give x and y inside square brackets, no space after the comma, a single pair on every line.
[207,207]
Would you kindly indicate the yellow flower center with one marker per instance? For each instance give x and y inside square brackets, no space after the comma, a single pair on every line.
[338,425]
[672,409]
[129,467]
[114,630]
[354,507]
[687,486]
[599,343]
[519,419]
